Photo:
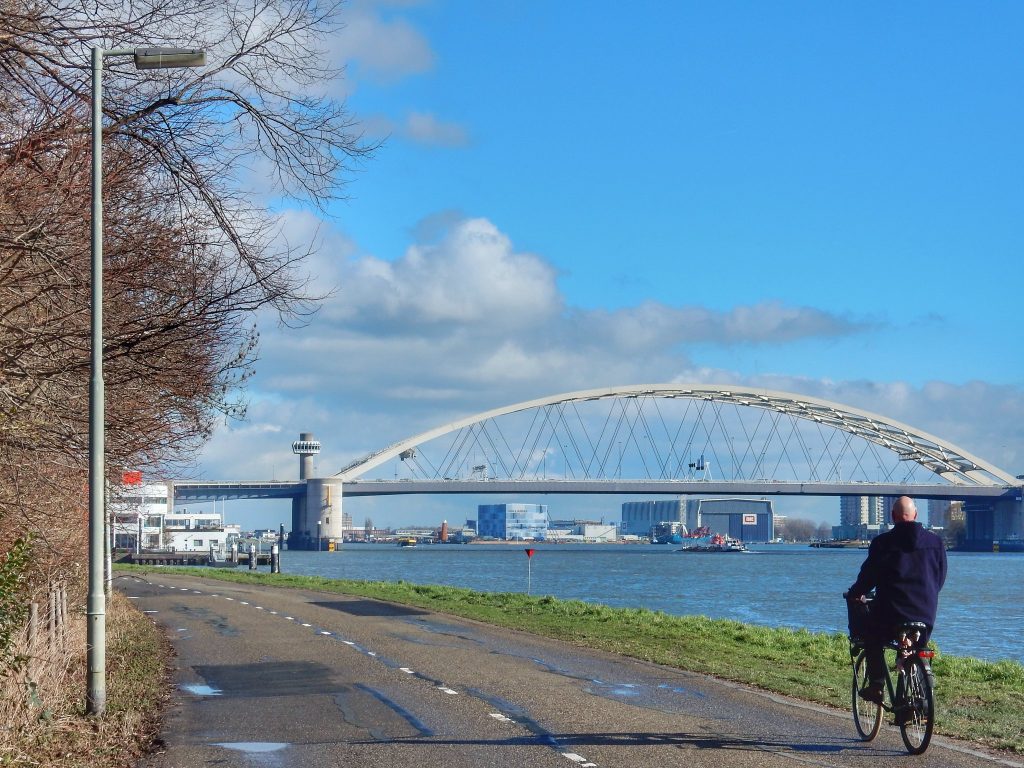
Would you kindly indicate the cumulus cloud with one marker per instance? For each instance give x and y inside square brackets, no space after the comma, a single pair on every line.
[653,323]
[421,128]
[424,128]
[385,49]
[463,322]
[472,276]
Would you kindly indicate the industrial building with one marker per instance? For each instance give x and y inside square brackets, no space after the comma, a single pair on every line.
[744,519]
[513,522]
[639,517]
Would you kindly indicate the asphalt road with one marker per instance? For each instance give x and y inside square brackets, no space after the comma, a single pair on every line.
[272,677]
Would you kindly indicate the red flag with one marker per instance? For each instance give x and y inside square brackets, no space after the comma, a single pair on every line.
[131,478]
[529,553]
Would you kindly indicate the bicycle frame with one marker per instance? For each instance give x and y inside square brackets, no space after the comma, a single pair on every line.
[910,700]
[903,652]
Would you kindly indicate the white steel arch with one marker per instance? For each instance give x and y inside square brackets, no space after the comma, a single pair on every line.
[943,458]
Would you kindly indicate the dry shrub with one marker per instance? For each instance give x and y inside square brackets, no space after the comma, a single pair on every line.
[43,709]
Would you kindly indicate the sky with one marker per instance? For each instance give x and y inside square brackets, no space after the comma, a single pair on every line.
[817,198]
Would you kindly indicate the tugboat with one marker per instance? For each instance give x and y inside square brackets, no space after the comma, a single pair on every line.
[702,540]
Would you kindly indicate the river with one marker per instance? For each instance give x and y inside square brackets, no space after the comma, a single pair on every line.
[980,608]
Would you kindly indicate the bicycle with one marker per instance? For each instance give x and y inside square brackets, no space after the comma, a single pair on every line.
[911,700]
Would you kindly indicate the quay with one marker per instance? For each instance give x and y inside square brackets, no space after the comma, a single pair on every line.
[188,558]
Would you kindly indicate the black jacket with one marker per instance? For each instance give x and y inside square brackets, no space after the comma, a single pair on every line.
[906,567]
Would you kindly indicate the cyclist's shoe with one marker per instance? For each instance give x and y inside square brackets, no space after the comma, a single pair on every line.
[872,692]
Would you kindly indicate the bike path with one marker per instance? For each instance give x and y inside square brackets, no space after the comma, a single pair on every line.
[277,677]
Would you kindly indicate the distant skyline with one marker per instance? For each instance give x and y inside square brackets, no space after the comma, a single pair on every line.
[815,198]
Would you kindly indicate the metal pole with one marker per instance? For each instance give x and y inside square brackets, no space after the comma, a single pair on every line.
[96,610]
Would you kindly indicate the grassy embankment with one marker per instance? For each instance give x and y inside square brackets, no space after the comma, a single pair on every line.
[43,708]
[977,701]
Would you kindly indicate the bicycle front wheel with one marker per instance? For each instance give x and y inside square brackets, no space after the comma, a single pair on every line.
[916,710]
[867,715]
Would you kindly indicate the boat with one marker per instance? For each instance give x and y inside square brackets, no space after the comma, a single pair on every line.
[668,533]
[714,542]
[218,560]
[409,542]
[840,544]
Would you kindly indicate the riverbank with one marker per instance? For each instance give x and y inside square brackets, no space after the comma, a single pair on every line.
[978,701]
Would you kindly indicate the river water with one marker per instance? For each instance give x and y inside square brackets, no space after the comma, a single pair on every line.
[981,609]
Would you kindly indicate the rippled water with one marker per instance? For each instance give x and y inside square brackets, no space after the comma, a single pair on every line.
[980,609]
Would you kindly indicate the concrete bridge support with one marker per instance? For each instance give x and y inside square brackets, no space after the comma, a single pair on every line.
[316,516]
[1008,520]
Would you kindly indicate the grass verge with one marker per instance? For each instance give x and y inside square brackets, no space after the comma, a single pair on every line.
[43,708]
[977,701]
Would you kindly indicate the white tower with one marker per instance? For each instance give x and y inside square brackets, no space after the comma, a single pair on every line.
[306,448]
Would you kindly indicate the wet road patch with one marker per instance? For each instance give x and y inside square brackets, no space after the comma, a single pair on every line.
[278,678]
[220,623]
[370,608]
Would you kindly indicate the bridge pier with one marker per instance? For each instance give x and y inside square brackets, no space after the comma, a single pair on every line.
[317,516]
[995,526]
[1008,520]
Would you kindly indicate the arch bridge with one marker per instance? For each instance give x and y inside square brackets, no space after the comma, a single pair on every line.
[672,439]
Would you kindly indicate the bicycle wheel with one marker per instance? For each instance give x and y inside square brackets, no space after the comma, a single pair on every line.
[916,712]
[867,715]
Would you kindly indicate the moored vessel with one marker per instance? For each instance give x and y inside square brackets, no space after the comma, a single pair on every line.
[714,542]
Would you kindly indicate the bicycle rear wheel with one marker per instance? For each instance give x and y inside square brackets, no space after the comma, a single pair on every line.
[867,715]
[916,712]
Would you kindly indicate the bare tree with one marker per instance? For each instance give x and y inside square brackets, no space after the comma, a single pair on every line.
[190,258]
[796,529]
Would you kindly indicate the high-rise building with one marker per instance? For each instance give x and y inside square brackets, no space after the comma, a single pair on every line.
[862,510]
[941,512]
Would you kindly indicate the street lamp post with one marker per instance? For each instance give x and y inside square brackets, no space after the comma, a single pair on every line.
[96,632]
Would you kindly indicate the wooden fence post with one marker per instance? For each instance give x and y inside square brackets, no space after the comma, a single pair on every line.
[51,623]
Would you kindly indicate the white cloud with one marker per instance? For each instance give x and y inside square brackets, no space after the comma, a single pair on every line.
[986,420]
[384,49]
[463,322]
[425,128]
[473,276]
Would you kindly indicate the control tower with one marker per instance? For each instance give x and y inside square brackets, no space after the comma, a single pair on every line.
[306,448]
[317,521]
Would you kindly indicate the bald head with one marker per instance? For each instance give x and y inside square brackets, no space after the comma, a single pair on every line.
[903,510]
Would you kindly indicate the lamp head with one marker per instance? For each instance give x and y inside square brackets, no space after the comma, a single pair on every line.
[169,58]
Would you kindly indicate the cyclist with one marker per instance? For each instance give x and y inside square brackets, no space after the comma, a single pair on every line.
[906,566]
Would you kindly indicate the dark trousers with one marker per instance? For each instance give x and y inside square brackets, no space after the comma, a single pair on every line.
[876,638]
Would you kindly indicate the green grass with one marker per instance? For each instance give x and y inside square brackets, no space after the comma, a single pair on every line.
[977,701]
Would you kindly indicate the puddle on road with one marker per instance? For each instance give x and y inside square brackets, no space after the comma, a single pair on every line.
[253,746]
[442,628]
[198,689]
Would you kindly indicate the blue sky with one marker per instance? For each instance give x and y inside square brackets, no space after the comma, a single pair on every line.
[812,197]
